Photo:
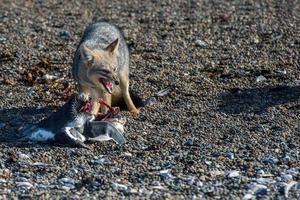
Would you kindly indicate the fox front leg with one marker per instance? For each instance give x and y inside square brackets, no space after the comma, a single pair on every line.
[124,85]
[95,95]
[107,98]
[96,106]
[84,92]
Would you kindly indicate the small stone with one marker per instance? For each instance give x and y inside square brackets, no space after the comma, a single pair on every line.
[49,77]
[145,192]
[166,174]
[2,180]
[66,188]
[151,101]
[158,186]
[133,191]
[5,173]
[261,78]
[260,172]
[200,43]
[22,156]
[286,159]
[2,125]
[284,72]
[297,82]
[256,39]
[40,164]
[265,181]
[164,92]
[95,184]
[216,173]
[258,189]
[100,161]
[207,162]
[26,185]
[118,186]
[65,34]
[270,160]
[199,184]
[127,154]
[230,155]
[41,186]
[286,178]
[189,142]
[248,196]
[233,174]
[67,180]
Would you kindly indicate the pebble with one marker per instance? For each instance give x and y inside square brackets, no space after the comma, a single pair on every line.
[5,173]
[95,184]
[261,78]
[189,142]
[2,180]
[201,43]
[297,82]
[189,179]
[26,185]
[67,188]
[265,181]
[40,164]
[260,172]
[164,92]
[100,161]
[118,186]
[23,156]
[158,187]
[49,77]
[286,159]
[2,125]
[216,173]
[257,189]
[21,179]
[151,101]
[145,192]
[166,174]
[286,178]
[248,196]
[67,180]
[127,154]
[233,174]
[65,34]
[229,155]
[270,160]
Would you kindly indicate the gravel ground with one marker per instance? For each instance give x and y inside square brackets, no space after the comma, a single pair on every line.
[229,127]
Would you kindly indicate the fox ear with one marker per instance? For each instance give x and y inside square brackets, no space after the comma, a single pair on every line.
[86,54]
[113,47]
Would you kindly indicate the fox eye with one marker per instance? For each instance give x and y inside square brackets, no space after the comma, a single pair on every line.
[115,68]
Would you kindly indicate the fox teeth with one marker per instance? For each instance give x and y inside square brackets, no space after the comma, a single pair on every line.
[107,85]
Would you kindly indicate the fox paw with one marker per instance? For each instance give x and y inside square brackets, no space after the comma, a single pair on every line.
[135,111]
[84,96]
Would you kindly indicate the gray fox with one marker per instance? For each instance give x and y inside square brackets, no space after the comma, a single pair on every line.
[101,67]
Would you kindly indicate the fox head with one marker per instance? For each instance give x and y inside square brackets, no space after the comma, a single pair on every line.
[101,65]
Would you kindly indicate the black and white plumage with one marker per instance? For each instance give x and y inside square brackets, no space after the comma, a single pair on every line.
[69,125]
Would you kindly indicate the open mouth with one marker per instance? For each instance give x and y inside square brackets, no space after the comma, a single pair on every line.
[108,85]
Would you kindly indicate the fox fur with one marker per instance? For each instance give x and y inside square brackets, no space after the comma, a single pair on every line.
[101,67]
